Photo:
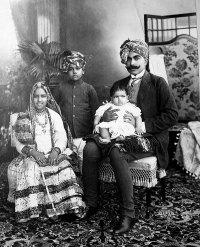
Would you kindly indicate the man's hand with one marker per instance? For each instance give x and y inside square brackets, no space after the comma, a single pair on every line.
[110,115]
[128,118]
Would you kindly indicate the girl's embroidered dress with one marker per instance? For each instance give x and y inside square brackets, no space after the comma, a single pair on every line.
[42,189]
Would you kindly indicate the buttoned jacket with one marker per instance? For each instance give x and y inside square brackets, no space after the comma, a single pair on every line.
[78,102]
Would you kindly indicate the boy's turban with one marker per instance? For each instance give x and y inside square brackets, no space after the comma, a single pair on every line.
[75,58]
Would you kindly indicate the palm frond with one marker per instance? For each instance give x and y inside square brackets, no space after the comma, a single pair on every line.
[36,48]
[44,58]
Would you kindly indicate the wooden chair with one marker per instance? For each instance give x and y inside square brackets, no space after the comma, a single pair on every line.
[144,173]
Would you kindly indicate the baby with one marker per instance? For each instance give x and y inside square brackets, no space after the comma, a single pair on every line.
[118,129]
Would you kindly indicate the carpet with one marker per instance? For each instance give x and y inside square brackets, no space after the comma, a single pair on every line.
[175,223]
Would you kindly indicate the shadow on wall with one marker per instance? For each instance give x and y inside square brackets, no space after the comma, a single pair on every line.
[103,93]
[90,30]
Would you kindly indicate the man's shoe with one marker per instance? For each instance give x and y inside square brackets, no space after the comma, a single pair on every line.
[125,224]
[90,211]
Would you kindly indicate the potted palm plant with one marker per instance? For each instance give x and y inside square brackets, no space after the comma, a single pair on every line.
[43,59]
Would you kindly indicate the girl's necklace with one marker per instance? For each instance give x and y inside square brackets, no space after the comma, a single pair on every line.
[41,113]
[40,124]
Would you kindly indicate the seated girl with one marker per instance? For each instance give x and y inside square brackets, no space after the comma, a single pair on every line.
[41,179]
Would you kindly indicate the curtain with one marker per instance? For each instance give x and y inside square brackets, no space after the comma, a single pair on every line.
[157,65]
[8,40]
[36,19]
[25,18]
[48,20]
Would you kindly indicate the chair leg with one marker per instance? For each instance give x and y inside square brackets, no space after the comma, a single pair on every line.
[99,188]
[163,195]
[148,201]
[148,196]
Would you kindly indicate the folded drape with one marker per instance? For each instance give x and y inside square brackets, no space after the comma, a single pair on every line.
[188,149]
[157,65]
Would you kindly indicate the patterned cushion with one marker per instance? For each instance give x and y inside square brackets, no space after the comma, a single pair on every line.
[21,128]
[144,172]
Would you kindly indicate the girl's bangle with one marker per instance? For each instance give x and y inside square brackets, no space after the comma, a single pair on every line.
[56,149]
[27,150]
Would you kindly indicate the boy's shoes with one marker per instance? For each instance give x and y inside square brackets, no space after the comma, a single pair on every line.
[90,211]
[125,224]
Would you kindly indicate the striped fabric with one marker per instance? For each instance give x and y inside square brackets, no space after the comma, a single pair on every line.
[57,194]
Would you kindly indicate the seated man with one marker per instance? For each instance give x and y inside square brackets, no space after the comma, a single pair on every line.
[152,95]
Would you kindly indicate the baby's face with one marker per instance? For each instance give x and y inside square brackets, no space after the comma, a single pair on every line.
[119,98]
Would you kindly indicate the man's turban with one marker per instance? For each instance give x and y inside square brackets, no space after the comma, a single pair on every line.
[74,57]
[137,46]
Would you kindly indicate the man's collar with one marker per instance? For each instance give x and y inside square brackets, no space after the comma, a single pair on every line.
[138,75]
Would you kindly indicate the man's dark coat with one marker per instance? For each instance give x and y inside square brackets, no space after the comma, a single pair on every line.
[159,111]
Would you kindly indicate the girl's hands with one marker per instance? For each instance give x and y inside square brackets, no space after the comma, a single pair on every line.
[53,157]
[40,158]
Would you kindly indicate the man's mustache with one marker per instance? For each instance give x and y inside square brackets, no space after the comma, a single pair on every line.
[132,67]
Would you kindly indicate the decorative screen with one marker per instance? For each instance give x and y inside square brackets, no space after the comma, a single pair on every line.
[163,29]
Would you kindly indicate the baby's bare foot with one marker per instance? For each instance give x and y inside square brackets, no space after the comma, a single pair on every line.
[104,141]
[120,138]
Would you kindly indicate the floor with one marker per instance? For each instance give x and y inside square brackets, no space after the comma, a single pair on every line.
[173,223]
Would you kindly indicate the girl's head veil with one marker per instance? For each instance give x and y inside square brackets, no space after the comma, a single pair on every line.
[52,104]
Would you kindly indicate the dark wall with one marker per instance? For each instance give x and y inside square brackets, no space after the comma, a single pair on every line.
[97,29]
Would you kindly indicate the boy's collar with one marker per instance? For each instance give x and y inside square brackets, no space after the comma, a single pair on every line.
[80,81]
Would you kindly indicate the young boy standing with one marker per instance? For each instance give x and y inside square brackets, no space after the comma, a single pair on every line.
[77,99]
